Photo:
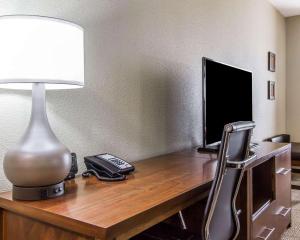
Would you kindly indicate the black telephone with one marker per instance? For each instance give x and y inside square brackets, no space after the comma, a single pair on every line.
[107,167]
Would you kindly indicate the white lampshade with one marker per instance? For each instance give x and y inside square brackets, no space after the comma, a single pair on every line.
[40,49]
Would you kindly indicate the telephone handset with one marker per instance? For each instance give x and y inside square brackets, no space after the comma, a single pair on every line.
[107,167]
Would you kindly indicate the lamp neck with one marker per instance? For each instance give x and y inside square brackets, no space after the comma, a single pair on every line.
[38,112]
[39,127]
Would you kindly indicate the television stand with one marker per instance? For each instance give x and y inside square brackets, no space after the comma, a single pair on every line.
[215,148]
[209,149]
[254,145]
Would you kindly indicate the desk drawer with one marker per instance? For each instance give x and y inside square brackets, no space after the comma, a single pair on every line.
[283,179]
[264,226]
[283,218]
[283,188]
[272,223]
[283,160]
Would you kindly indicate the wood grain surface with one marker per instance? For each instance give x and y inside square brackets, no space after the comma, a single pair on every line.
[160,187]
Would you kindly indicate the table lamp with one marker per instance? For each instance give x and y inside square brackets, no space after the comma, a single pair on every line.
[39,53]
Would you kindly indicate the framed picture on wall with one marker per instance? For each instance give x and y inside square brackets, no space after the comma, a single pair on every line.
[271,90]
[271,62]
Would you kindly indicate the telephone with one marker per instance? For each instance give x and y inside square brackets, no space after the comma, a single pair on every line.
[107,167]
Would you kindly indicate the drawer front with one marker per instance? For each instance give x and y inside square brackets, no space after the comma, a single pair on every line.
[283,160]
[282,218]
[271,223]
[283,179]
[265,226]
[283,189]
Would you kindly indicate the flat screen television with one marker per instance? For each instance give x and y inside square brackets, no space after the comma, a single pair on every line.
[227,97]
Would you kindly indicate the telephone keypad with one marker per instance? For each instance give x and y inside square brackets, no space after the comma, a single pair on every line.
[119,163]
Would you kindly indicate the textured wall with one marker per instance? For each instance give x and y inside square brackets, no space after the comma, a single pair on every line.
[143,72]
[293,76]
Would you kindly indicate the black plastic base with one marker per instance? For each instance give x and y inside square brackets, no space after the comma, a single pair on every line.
[215,148]
[38,193]
[209,149]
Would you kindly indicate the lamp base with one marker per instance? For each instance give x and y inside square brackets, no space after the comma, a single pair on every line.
[39,163]
[38,193]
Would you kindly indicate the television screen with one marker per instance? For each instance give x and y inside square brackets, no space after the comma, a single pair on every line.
[227,93]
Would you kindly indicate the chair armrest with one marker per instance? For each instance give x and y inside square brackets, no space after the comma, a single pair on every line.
[240,164]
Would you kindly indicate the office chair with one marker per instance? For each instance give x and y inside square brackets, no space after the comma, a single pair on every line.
[220,220]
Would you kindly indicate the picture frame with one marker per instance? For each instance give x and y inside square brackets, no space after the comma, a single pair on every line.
[271,90]
[271,62]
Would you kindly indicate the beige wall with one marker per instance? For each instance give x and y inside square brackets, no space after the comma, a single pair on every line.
[293,77]
[143,72]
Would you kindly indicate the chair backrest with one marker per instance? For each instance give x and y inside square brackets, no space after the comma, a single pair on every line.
[281,138]
[220,218]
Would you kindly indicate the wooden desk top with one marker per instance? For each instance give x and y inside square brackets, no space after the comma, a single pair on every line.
[160,187]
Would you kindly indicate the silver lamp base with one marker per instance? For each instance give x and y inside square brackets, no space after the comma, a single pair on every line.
[38,165]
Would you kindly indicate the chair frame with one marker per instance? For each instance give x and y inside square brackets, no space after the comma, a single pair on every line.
[226,163]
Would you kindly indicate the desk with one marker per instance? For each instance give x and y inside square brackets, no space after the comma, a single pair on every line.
[90,209]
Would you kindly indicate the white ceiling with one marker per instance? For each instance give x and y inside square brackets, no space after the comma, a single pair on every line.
[287,8]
